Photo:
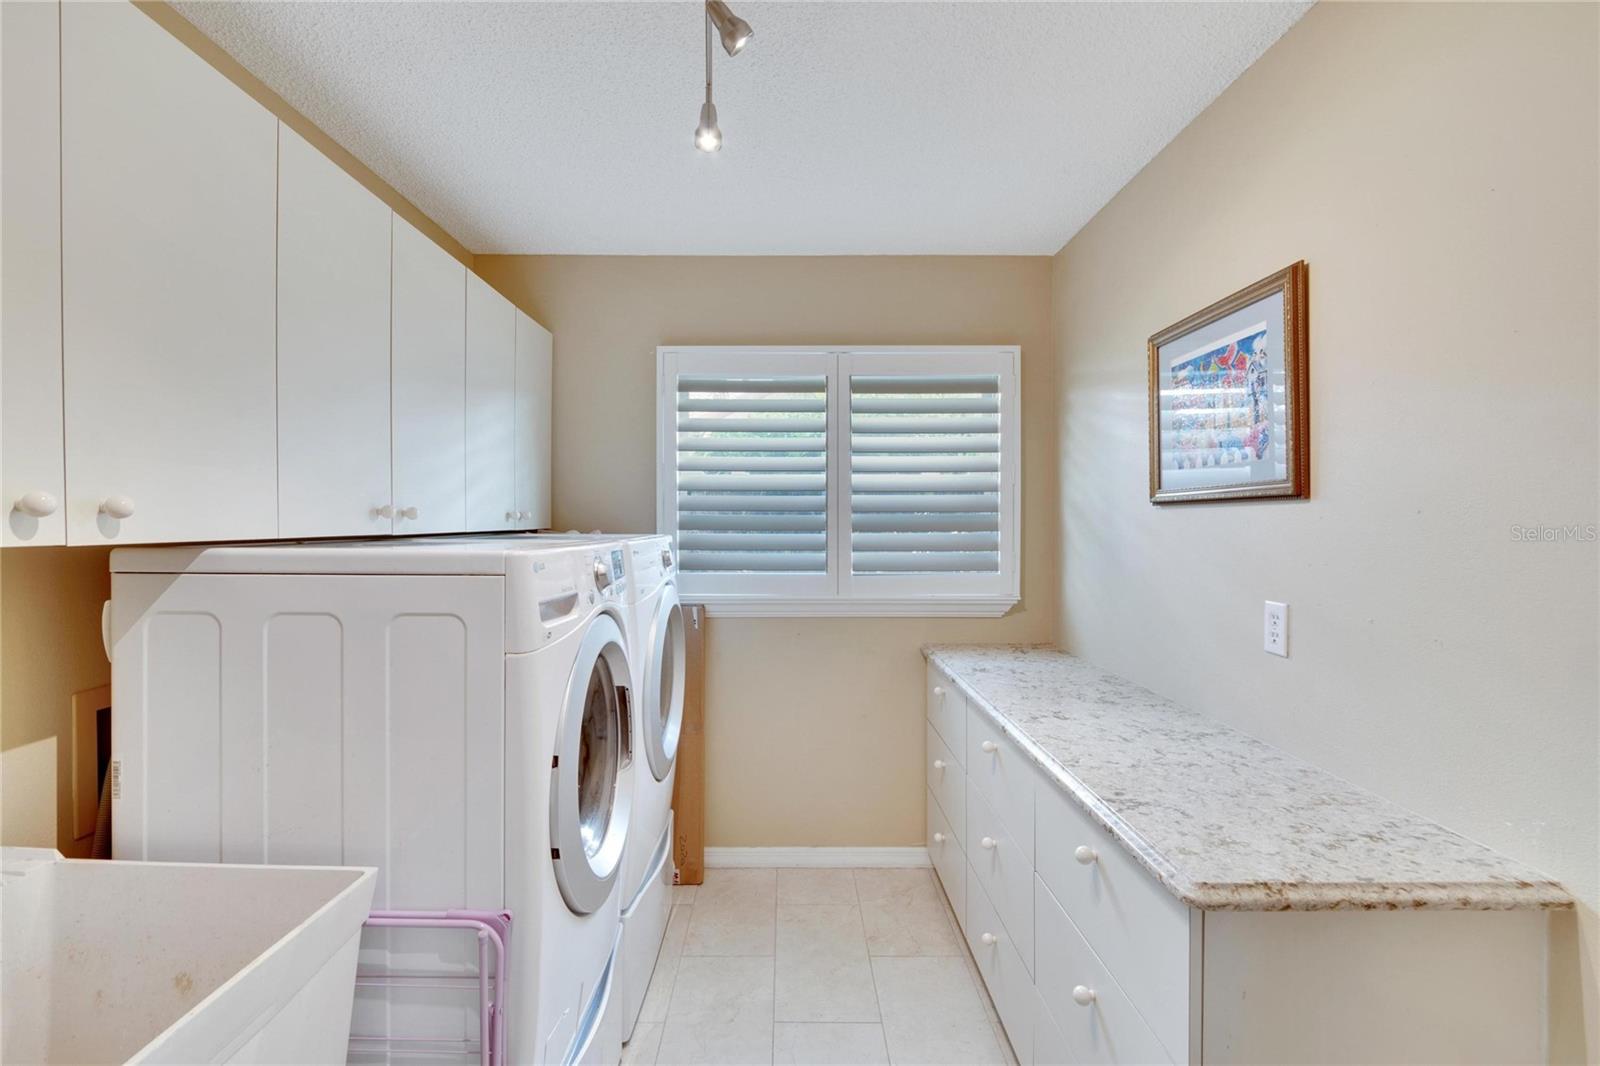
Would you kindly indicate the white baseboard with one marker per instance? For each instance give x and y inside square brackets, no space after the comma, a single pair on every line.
[724,858]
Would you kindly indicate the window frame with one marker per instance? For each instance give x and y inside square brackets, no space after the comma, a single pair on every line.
[840,592]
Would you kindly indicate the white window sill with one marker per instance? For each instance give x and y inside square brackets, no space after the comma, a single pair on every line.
[734,606]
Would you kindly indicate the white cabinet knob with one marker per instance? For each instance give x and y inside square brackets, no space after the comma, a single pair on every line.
[1085,854]
[383,511]
[938,690]
[408,512]
[989,747]
[117,507]
[989,938]
[987,843]
[1082,995]
[938,764]
[38,504]
[938,838]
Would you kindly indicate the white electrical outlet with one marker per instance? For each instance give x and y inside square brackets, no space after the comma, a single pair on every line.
[1275,629]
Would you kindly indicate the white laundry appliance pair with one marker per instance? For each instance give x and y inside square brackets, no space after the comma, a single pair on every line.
[657,621]
[458,712]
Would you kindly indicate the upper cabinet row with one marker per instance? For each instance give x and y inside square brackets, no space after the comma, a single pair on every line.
[213,332]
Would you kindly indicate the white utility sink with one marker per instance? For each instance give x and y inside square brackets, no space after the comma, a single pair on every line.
[162,962]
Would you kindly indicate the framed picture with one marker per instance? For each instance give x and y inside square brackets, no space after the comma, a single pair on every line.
[1229,397]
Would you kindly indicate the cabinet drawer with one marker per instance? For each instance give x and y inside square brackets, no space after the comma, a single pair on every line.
[1137,928]
[948,783]
[997,768]
[1004,871]
[1104,1029]
[1050,1046]
[948,712]
[948,861]
[995,951]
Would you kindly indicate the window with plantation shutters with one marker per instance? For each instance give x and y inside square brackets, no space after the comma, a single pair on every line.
[841,481]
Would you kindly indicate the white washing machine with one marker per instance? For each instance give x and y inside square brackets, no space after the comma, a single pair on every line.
[456,712]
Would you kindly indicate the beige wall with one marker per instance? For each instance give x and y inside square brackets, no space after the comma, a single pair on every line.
[814,730]
[49,648]
[1437,168]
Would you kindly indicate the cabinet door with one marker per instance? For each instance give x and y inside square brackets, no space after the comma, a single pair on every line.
[169,221]
[333,348]
[429,304]
[534,350]
[491,408]
[31,482]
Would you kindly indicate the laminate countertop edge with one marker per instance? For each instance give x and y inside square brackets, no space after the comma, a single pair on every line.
[1533,891]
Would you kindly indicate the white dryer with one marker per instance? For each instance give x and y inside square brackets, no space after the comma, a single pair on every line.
[659,670]
[456,712]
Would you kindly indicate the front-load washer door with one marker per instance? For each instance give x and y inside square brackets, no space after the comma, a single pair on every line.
[662,709]
[591,787]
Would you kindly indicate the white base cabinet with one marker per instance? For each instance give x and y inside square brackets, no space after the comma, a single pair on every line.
[1089,959]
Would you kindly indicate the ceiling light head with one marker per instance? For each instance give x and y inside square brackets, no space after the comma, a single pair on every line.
[734,31]
[708,135]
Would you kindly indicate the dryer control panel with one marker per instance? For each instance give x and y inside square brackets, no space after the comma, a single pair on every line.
[610,574]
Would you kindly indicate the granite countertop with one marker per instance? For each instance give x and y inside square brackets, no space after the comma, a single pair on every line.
[1225,821]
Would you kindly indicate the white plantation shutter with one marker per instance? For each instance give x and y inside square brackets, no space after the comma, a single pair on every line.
[752,474]
[925,474]
[878,481]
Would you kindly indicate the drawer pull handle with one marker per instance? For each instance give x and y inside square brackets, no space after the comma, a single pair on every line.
[987,843]
[938,838]
[1083,995]
[1085,855]
[938,764]
[989,747]
[989,939]
[938,690]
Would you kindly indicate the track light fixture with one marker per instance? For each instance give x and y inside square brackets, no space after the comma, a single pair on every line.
[735,33]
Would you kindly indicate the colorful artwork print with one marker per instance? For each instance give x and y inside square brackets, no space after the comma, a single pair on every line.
[1220,403]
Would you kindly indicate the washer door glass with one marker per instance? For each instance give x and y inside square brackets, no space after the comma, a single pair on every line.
[664,717]
[599,757]
[591,779]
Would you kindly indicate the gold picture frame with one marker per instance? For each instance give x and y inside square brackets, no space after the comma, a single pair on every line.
[1230,413]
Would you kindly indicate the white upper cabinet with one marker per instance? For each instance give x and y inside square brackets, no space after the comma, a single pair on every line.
[168,231]
[534,351]
[32,488]
[213,332]
[429,385]
[333,348]
[491,408]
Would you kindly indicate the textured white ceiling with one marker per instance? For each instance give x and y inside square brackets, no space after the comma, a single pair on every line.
[849,127]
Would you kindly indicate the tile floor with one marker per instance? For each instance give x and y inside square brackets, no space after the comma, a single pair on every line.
[815,966]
